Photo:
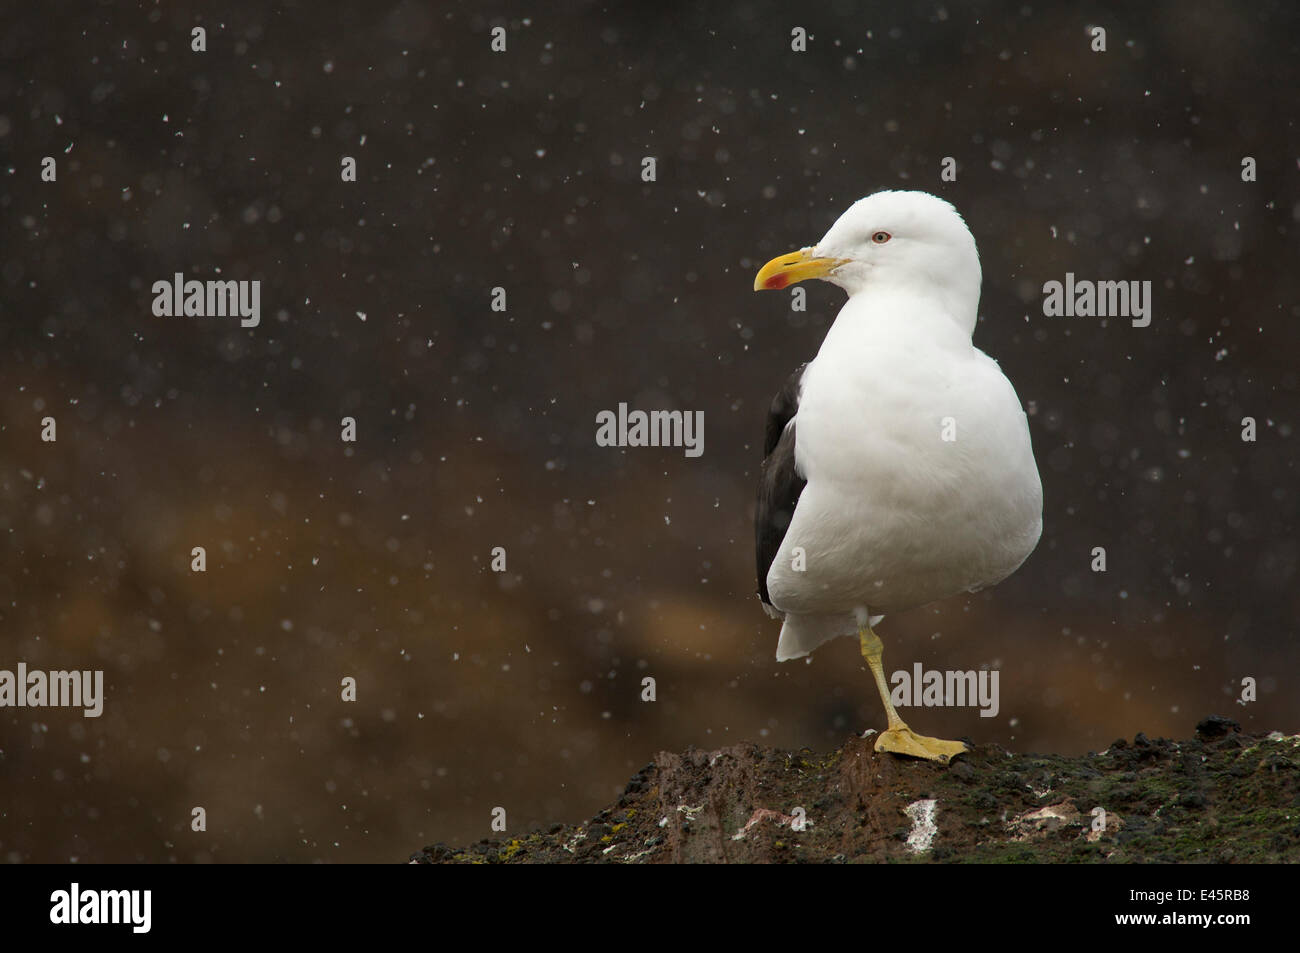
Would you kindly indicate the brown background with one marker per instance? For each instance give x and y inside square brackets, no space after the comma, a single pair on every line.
[476,428]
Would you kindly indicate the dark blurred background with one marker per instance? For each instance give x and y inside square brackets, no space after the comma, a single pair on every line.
[476,428]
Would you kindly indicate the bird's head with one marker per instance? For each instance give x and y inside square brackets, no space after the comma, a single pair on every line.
[905,238]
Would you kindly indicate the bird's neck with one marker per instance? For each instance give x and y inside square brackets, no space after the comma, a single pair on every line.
[882,314]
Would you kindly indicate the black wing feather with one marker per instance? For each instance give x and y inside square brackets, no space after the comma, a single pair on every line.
[779,485]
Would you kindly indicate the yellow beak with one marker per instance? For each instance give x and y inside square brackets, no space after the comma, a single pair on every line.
[797,266]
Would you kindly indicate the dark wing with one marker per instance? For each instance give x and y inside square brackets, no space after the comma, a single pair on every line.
[779,485]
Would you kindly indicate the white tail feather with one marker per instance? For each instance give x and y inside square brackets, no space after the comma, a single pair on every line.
[801,634]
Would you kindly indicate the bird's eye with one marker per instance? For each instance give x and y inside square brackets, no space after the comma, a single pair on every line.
[881,237]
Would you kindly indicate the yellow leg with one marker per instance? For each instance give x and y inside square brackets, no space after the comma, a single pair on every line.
[898,738]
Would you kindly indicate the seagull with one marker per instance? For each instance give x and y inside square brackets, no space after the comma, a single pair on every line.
[898,468]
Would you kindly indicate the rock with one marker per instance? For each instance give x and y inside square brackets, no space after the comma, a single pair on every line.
[1148,801]
[1216,726]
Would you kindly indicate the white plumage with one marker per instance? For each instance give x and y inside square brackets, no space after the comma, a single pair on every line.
[920,476]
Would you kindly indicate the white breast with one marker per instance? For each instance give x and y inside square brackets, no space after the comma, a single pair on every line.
[896,515]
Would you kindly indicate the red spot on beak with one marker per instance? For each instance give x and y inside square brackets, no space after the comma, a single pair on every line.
[776,282]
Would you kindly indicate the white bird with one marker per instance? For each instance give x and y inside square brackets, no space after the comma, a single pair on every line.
[898,467]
